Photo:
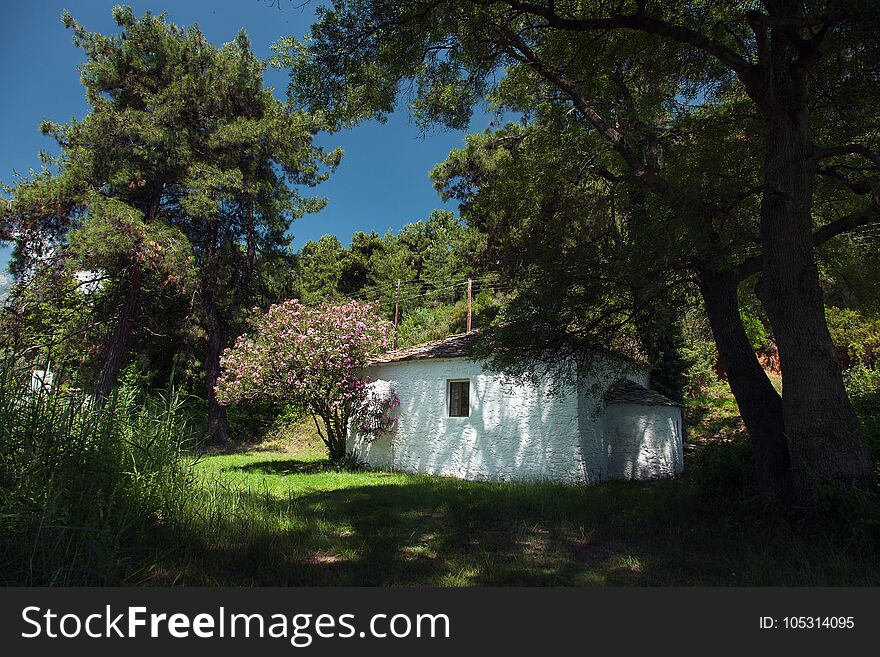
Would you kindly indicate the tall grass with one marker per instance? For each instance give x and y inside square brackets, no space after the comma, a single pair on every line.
[85,487]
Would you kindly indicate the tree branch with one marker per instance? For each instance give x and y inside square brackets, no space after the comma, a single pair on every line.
[762,36]
[641,23]
[520,50]
[857,185]
[867,215]
[848,149]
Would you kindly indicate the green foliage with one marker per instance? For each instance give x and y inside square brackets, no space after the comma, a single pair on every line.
[700,375]
[427,323]
[863,387]
[856,332]
[849,266]
[84,489]
[699,352]
[660,330]
[430,258]
[250,423]
[848,511]
[754,327]
[178,189]
[587,262]
[433,321]
[321,265]
[725,473]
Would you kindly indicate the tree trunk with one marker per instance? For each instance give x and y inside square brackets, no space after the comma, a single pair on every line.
[824,436]
[333,435]
[217,337]
[218,320]
[216,334]
[340,420]
[336,448]
[760,406]
[335,430]
[117,348]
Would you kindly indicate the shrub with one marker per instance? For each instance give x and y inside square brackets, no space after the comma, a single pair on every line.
[858,334]
[848,511]
[754,328]
[432,323]
[724,473]
[700,374]
[863,387]
[308,357]
[253,422]
[438,321]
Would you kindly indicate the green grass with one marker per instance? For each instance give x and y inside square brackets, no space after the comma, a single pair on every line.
[713,417]
[274,518]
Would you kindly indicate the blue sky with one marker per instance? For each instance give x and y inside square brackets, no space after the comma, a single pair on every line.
[382,182]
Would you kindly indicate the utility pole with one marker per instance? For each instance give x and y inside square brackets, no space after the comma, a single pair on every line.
[470,286]
[397,310]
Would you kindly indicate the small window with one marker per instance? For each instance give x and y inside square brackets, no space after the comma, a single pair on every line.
[459,398]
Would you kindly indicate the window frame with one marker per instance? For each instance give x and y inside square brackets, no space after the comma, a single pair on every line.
[449,383]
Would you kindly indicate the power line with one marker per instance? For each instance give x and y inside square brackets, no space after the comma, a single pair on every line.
[429,285]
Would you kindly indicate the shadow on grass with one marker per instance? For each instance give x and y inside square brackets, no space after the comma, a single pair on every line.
[285,467]
[713,419]
[431,531]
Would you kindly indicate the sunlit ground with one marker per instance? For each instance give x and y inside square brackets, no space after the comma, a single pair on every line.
[290,518]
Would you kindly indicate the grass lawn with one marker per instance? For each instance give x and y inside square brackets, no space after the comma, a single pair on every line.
[289,518]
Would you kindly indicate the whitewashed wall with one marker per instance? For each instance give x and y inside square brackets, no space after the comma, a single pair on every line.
[591,426]
[506,436]
[643,442]
[512,433]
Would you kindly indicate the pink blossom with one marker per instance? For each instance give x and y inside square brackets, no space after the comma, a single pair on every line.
[307,356]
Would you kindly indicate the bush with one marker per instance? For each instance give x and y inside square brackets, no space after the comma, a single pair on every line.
[700,375]
[439,321]
[430,323]
[253,422]
[83,487]
[858,334]
[863,387]
[757,333]
[724,473]
[849,512]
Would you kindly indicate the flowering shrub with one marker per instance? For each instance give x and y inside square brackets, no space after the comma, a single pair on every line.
[373,417]
[310,357]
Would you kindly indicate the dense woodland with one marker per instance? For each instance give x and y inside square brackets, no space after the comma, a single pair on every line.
[694,185]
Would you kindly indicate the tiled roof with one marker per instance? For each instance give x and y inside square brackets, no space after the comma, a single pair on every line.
[454,346]
[625,391]
[457,346]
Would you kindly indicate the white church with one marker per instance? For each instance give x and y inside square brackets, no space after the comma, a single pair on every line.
[459,419]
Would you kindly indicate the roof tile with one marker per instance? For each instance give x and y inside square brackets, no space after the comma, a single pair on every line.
[624,391]
[454,346]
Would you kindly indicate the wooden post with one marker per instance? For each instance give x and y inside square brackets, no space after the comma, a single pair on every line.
[396,311]
[470,286]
